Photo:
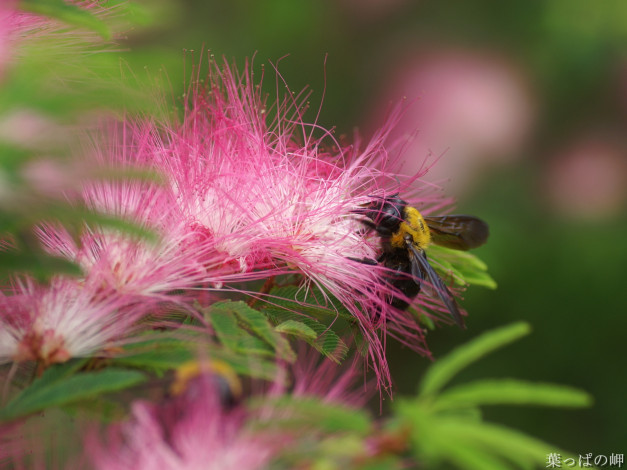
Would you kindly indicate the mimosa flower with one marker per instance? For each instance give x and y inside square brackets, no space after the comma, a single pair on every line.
[189,431]
[118,260]
[276,195]
[67,319]
[321,378]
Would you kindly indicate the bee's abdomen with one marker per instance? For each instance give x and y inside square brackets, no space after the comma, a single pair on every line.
[400,277]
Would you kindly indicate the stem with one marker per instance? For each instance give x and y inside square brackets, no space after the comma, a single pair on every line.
[265,289]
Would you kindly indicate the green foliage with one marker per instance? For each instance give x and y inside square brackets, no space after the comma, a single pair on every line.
[446,368]
[160,352]
[438,428]
[246,330]
[302,313]
[62,385]
[446,426]
[310,301]
[298,329]
[510,392]
[38,264]
[67,13]
[465,267]
[301,414]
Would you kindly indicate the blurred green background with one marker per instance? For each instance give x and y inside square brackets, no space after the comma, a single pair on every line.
[526,104]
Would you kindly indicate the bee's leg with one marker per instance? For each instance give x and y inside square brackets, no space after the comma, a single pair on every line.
[383,231]
[368,261]
[375,317]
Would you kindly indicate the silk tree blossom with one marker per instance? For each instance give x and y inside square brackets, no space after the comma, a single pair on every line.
[193,428]
[66,319]
[259,195]
[189,431]
[245,197]
[326,381]
[123,262]
[272,198]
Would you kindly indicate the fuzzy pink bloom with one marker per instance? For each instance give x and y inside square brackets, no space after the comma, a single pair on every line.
[189,431]
[119,261]
[245,197]
[64,320]
[328,381]
[273,198]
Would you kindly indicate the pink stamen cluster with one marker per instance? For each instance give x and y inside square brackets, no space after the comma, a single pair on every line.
[248,190]
[188,431]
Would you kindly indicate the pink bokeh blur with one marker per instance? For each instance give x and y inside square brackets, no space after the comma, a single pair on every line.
[588,178]
[470,110]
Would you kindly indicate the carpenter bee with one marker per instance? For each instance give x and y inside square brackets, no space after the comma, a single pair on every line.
[192,376]
[406,234]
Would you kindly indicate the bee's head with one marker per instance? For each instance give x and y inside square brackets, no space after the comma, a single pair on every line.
[386,212]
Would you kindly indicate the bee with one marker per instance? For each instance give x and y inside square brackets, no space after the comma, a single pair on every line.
[405,236]
[192,376]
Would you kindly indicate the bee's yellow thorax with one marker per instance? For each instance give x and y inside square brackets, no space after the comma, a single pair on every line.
[414,225]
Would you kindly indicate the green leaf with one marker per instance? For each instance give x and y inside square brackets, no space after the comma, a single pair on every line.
[259,324]
[229,320]
[252,366]
[311,302]
[467,441]
[40,265]
[158,354]
[302,413]
[511,391]
[66,390]
[446,368]
[166,351]
[225,324]
[52,374]
[466,267]
[326,341]
[470,457]
[296,328]
[67,13]
[500,440]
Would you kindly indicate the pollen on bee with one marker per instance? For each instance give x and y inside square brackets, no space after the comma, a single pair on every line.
[415,226]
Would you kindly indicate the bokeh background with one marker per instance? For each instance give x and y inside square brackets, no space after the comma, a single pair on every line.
[525,105]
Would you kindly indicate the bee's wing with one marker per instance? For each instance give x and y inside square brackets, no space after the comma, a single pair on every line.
[460,232]
[419,263]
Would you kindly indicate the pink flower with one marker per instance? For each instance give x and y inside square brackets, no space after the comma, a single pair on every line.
[274,199]
[64,320]
[328,381]
[125,263]
[188,431]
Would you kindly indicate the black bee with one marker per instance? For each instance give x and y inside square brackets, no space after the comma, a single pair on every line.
[405,236]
